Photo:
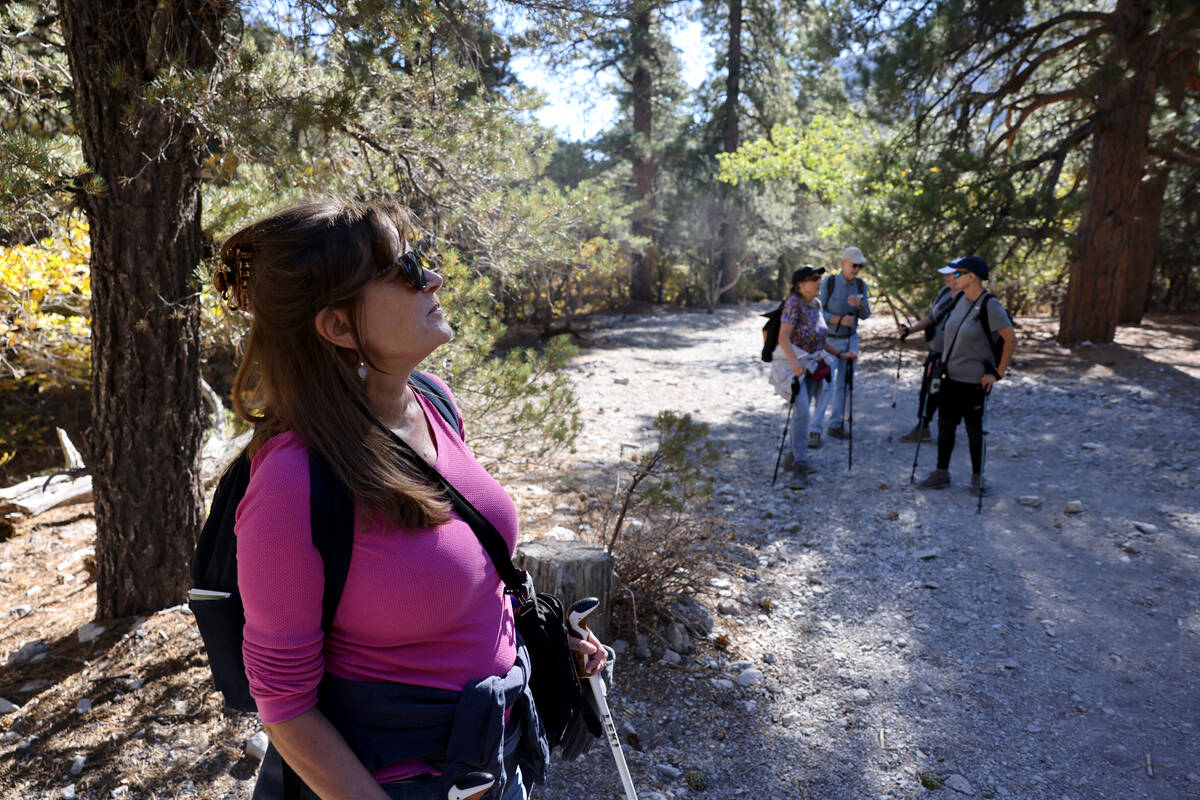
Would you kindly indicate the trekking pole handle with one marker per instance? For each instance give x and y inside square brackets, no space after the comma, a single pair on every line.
[577,618]
[471,786]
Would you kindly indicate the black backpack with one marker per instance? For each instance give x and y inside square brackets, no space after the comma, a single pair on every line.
[771,331]
[214,598]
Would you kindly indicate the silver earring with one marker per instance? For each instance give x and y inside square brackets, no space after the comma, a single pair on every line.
[362,370]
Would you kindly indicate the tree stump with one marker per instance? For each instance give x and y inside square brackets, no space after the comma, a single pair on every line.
[572,571]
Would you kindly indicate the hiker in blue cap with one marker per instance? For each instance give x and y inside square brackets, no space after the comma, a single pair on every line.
[979,346]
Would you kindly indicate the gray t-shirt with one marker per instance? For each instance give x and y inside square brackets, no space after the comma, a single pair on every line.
[968,351]
[941,304]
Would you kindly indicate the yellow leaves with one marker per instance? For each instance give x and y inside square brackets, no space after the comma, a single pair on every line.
[45,288]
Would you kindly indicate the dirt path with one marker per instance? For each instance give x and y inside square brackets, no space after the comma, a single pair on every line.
[1026,652]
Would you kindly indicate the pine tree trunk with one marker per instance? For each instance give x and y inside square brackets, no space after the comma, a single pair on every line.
[1106,242]
[1140,271]
[642,152]
[730,269]
[146,243]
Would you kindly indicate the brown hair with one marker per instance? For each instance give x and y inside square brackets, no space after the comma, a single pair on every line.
[284,269]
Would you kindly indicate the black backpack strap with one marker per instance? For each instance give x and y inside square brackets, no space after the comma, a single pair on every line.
[332,520]
[435,394]
[861,285]
[828,292]
[997,348]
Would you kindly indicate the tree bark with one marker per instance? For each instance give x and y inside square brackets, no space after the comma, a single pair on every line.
[730,269]
[146,240]
[1107,236]
[1139,271]
[642,154]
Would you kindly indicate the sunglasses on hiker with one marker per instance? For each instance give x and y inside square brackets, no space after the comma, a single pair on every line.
[413,264]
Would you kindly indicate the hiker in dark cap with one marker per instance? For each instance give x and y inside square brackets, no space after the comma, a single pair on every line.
[808,356]
[979,345]
[934,326]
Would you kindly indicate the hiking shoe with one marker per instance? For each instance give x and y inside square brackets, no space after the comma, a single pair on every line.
[799,478]
[789,460]
[938,479]
[838,432]
[814,440]
[915,433]
[976,480]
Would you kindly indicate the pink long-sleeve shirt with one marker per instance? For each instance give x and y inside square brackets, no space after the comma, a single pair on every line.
[420,606]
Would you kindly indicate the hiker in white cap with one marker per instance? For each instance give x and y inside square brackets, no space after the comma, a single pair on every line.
[843,303]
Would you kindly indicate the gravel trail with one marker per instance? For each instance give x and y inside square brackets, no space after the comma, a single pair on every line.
[909,645]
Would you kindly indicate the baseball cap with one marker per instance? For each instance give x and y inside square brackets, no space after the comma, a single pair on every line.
[805,273]
[970,264]
[854,254]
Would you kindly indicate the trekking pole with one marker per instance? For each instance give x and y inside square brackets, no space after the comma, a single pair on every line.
[577,619]
[922,422]
[471,786]
[983,453]
[850,401]
[786,423]
[896,385]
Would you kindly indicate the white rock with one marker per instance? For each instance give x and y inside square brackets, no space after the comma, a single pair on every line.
[83,706]
[77,764]
[669,656]
[19,611]
[67,792]
[723,683]
[1092,446]
[749,677]
[90,632]
[1074,507]
[560,534]
[861,696]
[790,719]
[256,745]
[959,784]
[1145,527]
[1031,500]
[8,707]
[927,555]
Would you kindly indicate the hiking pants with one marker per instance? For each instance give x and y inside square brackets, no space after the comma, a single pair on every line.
[960,401]
[810,392]
[838,393]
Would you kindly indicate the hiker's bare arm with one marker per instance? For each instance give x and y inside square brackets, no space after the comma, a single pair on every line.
[321,757]
[785,344]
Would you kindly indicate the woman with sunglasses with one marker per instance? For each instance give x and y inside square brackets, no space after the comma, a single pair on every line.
[808,358]
[970,366]
[342,310]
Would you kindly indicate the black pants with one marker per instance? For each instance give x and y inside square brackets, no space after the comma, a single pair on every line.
[927,404]
[960,401]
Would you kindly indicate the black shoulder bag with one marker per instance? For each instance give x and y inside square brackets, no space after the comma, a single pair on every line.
[540,617]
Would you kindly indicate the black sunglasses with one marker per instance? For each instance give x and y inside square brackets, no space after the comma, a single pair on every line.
[413,264]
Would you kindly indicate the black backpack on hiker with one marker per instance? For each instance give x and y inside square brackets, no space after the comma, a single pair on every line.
[214,598]
[771,331]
